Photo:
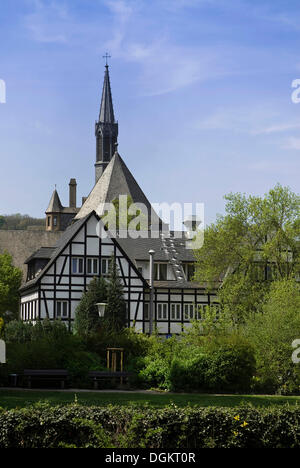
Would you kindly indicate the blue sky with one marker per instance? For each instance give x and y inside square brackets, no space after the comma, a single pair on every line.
[201,89]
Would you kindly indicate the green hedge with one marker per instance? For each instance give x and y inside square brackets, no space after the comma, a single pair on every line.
[43,426]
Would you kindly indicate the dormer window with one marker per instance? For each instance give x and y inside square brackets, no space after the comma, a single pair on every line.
[160,271]
[189,270]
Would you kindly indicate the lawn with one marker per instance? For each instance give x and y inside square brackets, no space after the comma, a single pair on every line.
[21,398]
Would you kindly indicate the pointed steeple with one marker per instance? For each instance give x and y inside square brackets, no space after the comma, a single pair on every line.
[55,205]
[106,129]
[53,213]
[106,110]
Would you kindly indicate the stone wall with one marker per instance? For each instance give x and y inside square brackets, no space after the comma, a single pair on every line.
[22,244]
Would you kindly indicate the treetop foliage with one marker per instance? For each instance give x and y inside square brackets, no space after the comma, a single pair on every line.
[19,222]
[10,282]
[256,241]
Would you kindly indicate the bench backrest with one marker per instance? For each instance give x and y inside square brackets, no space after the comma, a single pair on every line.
[43,372]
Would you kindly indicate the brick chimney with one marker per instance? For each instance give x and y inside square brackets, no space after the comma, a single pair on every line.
[73,193]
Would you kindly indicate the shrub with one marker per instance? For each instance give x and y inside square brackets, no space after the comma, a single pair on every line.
[155,373]
[189,374]
[43,426]
[231,365]
[271,334]
[225,364]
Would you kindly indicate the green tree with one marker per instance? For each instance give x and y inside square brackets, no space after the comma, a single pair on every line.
[115,314]
[256,241]
[19,222]
[10,282]
[87,319]
[272,333]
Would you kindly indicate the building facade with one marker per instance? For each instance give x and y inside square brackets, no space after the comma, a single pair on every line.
[58,276]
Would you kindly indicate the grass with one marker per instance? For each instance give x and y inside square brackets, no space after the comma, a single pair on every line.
[10,399]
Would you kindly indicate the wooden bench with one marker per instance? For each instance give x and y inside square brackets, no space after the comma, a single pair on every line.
[52,375]
[103,375]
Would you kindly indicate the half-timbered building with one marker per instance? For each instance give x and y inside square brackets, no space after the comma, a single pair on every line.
[58,276]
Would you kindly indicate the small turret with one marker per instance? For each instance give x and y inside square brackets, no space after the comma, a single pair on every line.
[59,217]
[53,213]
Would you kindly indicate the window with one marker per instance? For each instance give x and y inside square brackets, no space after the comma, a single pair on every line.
[61,309]
[199,312]
[162,311]
[189,310]
[189,270]
[55,221]
[77,266]
[160,271]
[175,311]
[217,308]
[92,266]
[146,311]
[104,266]
[49,221]
[140,270]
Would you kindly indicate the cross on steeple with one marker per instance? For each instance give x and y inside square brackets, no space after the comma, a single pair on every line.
[106,56]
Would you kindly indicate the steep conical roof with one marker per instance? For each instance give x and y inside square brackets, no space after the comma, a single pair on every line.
[55,205]
[116,180]
[106,109]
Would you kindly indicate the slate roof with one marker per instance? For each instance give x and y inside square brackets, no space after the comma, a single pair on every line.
[43,253]
[116,180]
[179,285]
[106,110]
[138,249]
[55,205]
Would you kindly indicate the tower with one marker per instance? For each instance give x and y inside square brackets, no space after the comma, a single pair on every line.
[106,129]
[58,217]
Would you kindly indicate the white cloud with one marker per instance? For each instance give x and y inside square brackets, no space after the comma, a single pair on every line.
[165,65]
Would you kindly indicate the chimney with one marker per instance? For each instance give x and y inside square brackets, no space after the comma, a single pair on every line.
[73,190]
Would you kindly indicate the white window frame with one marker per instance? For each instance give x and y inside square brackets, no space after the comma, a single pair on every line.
[78,261]
[189,311]
[105,261]
[158,275]
[146,311]
[62,304]
[94,262]
[162,311]
[176,311]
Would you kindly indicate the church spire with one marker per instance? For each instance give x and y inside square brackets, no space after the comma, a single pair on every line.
[106,129]
[106,110]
